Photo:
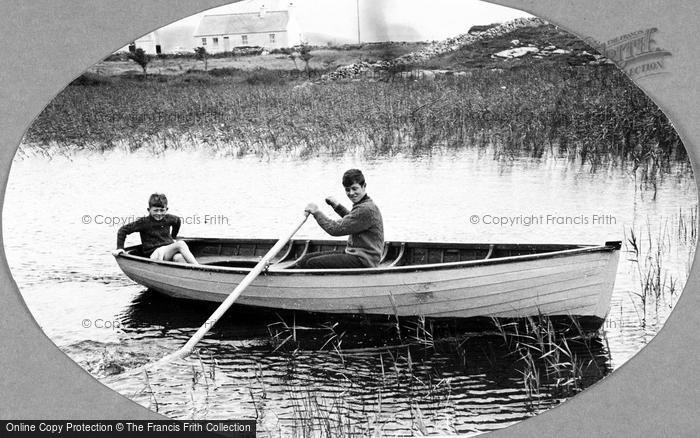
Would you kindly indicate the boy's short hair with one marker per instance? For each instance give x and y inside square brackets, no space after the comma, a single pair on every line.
[158,200]
[352,176]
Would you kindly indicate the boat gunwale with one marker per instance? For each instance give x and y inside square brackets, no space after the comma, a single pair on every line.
[610,246]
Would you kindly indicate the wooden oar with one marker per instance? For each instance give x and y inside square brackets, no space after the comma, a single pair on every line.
[219,312]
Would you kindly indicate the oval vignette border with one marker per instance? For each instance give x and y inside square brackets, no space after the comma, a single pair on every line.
[661,382]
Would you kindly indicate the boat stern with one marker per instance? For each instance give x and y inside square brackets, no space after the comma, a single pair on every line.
[610,273]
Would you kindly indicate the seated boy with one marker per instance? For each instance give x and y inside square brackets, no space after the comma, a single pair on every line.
[157,240]
[363,223]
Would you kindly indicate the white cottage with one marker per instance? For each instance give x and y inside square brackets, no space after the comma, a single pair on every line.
[267,29]
[150,43]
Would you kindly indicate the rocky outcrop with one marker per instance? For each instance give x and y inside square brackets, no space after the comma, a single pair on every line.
[401,66]
[516,52]
[435,49]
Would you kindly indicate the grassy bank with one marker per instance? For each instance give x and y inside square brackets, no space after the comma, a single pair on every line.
[322,58]
[591,113]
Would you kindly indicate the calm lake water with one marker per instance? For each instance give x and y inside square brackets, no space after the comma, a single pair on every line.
[61,217]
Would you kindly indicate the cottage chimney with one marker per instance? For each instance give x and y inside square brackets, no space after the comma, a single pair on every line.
[262,11]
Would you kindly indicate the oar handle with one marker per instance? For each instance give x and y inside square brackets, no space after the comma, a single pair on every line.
[233,296]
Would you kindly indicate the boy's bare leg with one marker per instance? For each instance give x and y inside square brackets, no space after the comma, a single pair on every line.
[179,248]
[178,258]
[169,251]
[184,250]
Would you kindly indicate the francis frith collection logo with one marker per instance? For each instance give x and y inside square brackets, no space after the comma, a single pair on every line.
[636,53]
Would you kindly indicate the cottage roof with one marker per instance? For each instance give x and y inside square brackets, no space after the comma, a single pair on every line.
[232,24]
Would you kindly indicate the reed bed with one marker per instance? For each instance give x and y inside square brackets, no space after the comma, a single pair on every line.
[554,364]
[361,401]
[592,114]
[656,252]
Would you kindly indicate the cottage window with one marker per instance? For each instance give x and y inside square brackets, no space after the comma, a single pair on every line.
[244,39]
[272,38]
[204,41]
[215,42]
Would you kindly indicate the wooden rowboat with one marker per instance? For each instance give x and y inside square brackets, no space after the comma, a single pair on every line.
[435,280]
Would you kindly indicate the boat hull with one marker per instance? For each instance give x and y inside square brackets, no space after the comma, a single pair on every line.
[568,283]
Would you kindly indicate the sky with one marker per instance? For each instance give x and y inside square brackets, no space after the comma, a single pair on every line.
[335,21]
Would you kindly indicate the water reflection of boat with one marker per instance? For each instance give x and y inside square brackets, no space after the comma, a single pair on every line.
[436,280]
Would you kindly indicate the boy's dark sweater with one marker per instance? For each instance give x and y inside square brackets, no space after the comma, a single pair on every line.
[154,234]
[364,225]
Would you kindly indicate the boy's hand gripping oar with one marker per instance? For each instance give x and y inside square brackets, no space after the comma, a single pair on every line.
[219,312]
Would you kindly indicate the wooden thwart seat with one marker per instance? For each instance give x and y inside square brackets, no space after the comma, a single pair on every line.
[214,259]
[232,259]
